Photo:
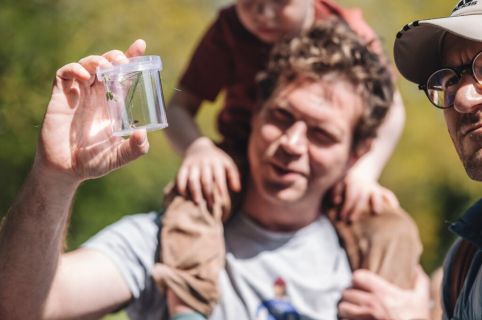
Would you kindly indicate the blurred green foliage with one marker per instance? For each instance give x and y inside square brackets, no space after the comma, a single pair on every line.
[39,36]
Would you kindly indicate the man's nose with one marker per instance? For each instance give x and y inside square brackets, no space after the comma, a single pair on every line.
[294,140]
[468,97]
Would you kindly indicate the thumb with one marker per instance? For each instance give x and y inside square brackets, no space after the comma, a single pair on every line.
[137,48]
[131,149]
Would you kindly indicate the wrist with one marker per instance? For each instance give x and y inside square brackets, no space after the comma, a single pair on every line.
[200,143]
[45,198]
[53,180]
[365,173]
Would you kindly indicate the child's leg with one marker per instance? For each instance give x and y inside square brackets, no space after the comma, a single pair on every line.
[387,244]
[192,251]
[192,247]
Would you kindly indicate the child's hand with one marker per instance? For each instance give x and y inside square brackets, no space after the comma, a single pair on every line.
[357,193]
[204,168]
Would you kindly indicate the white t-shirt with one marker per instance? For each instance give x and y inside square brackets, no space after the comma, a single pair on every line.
[308,266]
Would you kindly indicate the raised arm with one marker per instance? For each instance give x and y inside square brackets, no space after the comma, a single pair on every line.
[361,186]
[75,144]
[181,113]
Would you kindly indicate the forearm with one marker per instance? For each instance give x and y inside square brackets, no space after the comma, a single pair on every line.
[182,130]
[373,162]
[181,113]
[31,241]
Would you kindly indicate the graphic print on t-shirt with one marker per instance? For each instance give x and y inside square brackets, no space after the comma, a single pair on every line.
[278,308]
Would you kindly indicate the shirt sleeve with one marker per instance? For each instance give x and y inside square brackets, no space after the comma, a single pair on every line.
[132,244]
[210,66]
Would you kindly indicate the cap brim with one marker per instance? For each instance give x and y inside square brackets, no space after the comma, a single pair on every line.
[417,49]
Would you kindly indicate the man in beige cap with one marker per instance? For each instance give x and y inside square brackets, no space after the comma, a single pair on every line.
[444,57]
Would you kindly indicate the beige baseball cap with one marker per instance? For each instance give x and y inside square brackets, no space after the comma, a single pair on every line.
[418,46]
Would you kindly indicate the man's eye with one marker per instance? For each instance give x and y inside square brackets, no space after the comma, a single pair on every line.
[321,137]
[452,81]
[281,116]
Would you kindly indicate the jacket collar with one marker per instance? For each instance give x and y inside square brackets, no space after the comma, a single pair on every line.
[469,226]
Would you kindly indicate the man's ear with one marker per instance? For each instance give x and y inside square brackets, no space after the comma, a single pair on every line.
[359,151]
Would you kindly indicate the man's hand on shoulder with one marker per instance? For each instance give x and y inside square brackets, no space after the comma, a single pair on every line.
[372,297]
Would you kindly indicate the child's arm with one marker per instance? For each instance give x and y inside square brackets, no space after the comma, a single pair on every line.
[360,185]
[205,166]
[182,130]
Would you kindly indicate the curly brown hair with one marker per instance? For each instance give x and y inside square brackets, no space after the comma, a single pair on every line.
[330,46]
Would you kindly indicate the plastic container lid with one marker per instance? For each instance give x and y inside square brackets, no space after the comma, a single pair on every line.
[135,64]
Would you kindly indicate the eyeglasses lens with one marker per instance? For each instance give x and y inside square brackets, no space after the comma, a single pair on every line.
[441,87]
[477,68]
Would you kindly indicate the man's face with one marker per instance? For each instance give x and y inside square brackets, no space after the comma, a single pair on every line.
[464,119]
[301,142]
[271,20]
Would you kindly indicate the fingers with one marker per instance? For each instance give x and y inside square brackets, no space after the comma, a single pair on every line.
[87,66]
[82,72]
[357,304]
[194,183]
[386,299]
[376,203]
[91,63]
[391,198]
[137,48]
[219,171]
[73,71]
[355,312]
[181,179]
[206,171]
[201,180]
[360,303]
[370,282]
[358,297]
[355,200]
[207,182]
[350,311]
[115,56]
[380,197]
[360,203]
[234,180]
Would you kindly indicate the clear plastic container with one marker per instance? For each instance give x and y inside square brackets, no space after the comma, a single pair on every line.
[134,95]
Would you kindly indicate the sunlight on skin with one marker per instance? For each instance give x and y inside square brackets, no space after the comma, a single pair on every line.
[98,126]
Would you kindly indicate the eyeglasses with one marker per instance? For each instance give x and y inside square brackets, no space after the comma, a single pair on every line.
[442,85]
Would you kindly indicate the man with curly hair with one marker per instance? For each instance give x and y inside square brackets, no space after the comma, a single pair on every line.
[316,78]
[321,99]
